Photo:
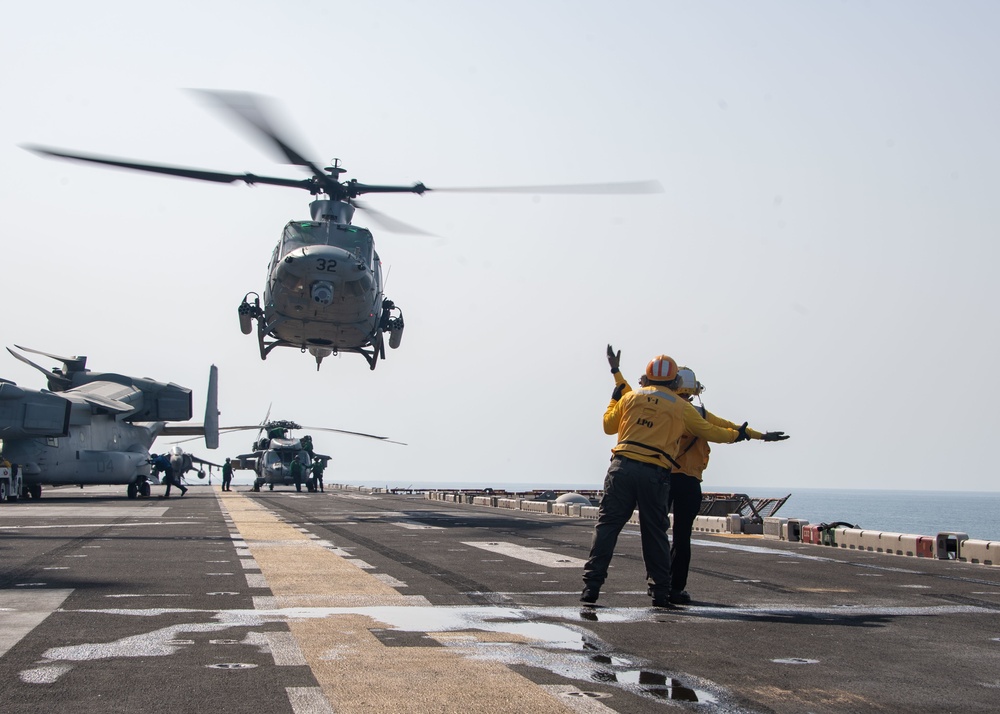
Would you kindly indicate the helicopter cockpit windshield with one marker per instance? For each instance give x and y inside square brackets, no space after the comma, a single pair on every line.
[357,241]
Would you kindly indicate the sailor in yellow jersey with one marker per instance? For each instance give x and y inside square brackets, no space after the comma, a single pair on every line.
[685,484]
[649,422]
[686,477]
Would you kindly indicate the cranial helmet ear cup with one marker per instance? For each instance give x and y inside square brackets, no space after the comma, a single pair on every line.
[688,383]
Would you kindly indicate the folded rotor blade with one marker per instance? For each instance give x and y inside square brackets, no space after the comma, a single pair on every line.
[625,187]
[54,378]
[389,223]
[48,354]
[181,171]
[72,364]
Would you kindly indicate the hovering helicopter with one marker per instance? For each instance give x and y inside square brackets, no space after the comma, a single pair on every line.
[324,289]
[94,428]
[275,448]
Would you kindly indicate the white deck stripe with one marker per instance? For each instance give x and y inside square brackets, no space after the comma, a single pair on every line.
[413,525]
[21,611]
[308,700]
[255,580]
[85,512]
[285,649]
[532,555]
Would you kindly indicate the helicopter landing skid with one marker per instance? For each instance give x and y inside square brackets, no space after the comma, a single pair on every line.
[371,355]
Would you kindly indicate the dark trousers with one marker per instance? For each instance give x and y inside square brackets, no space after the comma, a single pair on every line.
[226,480]
[170,480]
[629,484]
[685,499]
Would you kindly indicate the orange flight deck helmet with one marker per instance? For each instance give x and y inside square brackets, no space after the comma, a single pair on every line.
[661,369]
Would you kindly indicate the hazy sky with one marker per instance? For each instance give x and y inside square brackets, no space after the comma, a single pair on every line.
[823,255]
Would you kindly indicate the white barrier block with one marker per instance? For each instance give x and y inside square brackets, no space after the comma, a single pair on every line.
[634,520]
[589,512]
[848,537]
[775,528]
[535,506]
[889,543]
[900,543]
[711,524]
[984,552]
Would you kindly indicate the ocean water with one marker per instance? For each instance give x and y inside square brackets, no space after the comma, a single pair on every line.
[918,512]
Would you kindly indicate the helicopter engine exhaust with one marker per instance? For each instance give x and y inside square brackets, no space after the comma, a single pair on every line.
[322,292]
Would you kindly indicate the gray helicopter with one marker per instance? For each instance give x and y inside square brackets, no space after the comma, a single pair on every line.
[275,449]
[324,289]
[93,428]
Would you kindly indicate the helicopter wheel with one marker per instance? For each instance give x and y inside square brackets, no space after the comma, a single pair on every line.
[144,489]
[270,487]
[132,490]
[35,491]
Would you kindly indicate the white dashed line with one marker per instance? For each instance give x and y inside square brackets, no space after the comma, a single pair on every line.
[532,555]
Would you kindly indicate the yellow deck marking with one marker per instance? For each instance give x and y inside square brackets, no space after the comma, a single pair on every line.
[356,671]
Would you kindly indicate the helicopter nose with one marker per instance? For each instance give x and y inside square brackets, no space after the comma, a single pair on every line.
[322,292]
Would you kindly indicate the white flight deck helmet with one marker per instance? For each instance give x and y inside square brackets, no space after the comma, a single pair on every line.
[688,384]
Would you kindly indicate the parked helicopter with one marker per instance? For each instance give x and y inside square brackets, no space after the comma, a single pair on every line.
[275,448]
[94,428]
[324,289]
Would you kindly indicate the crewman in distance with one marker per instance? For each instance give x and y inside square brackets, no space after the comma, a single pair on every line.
[649,422]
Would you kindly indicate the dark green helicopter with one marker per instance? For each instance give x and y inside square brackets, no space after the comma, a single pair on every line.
[324,290]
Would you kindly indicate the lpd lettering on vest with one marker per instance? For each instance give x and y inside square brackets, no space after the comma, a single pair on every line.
[645,422]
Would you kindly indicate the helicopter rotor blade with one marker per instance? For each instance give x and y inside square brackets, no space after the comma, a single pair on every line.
[389,223]
[181,171]
[622,187]
[251,109]
[354,433]
[248,427]
[52,376]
